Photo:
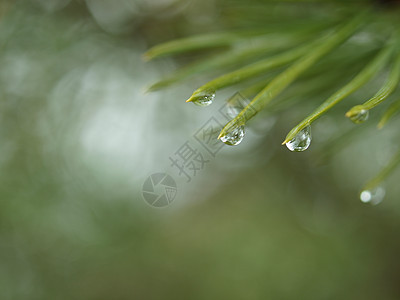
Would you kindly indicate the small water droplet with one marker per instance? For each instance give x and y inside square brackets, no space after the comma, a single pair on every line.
[374,196]
[361,117]
[234,137]
[301,141]
[205,99]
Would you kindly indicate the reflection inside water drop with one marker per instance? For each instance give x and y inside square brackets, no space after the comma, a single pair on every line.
[361,117]
[234,137]
[374,196]
[301,141]
[205,99]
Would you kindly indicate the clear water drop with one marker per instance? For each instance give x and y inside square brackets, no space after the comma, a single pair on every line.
[234,137]
[374,196]
[204,99]
[301,141]
[361,117]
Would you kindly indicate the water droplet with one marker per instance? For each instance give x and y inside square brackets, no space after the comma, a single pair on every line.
[204,99]
[374,196]
[301,141]
[234,137]
[361,117]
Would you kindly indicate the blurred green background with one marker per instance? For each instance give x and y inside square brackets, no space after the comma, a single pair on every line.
[78,137]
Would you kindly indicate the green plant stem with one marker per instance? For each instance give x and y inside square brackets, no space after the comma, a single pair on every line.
[279,83]
[362,78]
[197,42]
[255,88]
[220,39]
[387,89]
[258,49]
[252,70]
[319,83]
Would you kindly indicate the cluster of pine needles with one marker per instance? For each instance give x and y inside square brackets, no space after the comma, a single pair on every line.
[274,44]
